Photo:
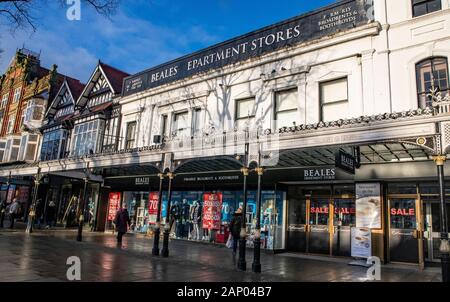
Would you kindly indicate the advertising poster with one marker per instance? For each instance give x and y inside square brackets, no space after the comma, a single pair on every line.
[361,243]
[368,205]
[212,211]
[114,204]
[153,207]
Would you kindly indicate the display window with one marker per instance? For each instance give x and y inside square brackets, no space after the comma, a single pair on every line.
[205,216]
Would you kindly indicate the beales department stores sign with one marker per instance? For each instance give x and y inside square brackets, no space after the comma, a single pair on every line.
[341,16]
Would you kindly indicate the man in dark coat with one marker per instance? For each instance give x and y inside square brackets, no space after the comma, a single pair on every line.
[122,221]
[236,226]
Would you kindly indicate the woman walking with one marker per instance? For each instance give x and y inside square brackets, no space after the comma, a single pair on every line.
[122,221]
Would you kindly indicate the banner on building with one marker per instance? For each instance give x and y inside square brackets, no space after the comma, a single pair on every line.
[113,205]
[153,200]
[361,243]
[212,211]
[368,205]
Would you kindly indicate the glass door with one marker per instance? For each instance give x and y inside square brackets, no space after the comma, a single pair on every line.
[344,219]
[298,221]
[432,229]
[318,229]
[404,230]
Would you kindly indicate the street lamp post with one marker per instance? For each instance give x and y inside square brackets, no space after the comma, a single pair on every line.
[256,266]
[445,247]
[242,265]
[32,214]
[165,249]
[4,202]
[83,210]
[155,251]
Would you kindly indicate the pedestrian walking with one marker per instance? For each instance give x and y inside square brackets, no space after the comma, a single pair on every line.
[121,221]
[14,209]
[51,211]
[235,228]
[3,206]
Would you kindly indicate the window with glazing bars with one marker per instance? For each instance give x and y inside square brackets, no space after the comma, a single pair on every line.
[432,74]
[423,7]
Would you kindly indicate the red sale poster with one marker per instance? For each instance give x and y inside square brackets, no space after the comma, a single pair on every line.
[212,211]
[114,204]
[153,207]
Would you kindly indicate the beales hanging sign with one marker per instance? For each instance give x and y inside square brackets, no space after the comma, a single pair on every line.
[327,21]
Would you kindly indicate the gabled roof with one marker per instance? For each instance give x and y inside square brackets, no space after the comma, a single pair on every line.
[73,86]
[113,76]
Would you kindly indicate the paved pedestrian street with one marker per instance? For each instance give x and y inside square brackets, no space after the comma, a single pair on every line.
[42,256]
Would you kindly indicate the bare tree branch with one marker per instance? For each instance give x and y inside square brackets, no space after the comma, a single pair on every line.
[21,14]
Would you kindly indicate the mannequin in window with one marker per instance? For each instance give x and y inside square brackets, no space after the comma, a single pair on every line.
[185,211]
[196,218]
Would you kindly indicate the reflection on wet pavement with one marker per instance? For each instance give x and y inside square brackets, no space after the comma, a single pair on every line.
[42,256]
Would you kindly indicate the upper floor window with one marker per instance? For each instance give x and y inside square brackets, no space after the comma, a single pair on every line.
[245,112]
[16,97]
[34,111]
[131,135]
[423,7]
[334,100]
[53,144]
[10,128]
[85,138]
[164,125]
[431,74]
[196,122]
[286,108]
[180,124]
[4,101]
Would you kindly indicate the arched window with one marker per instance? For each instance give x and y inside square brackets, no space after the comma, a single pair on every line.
[431,73]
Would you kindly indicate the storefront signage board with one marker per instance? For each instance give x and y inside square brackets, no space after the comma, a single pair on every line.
[318,173]
[315,25]
[212,211]
[113,205]
[361,243]
[368,205]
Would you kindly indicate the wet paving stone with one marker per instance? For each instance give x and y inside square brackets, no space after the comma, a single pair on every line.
[42,256]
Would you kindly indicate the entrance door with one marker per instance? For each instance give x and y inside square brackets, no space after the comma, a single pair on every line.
[318,229]
[343,220]
[433,229]
[298,225]
[403,228]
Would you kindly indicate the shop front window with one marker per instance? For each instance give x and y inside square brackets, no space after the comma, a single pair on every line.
[344,212]
[403,213]
[319,212]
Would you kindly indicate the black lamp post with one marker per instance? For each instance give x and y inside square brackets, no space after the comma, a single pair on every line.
[5,201]
[165,249]
[256,266]
[445,247]
[155,251]
[82,206]
[242,265]
[32,214]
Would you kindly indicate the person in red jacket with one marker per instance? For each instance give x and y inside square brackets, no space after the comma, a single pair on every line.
[122,221]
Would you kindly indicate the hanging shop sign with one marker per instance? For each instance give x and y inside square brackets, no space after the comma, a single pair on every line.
[315,25]
[345,161]
[361,243]
[212,211]
[368,205]
[113,205]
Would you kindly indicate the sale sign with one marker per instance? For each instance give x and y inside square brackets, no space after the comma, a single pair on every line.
[114,204]
[212,211]
[153,200]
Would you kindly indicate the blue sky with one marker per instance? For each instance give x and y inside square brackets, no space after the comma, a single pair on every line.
[143,33]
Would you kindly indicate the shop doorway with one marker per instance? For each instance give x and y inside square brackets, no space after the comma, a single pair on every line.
[404,243]
[321,225]
[432,228]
